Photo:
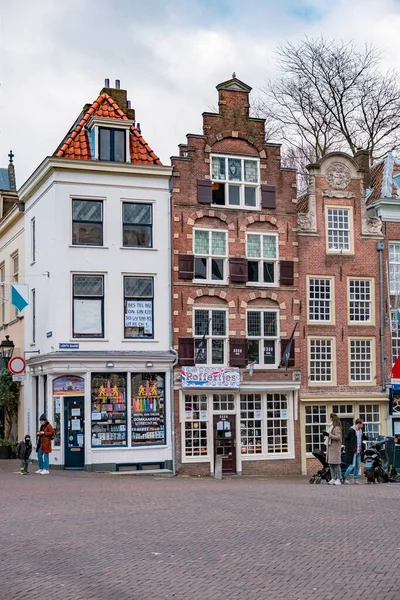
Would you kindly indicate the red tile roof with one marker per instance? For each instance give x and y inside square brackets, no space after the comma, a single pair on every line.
[76,144]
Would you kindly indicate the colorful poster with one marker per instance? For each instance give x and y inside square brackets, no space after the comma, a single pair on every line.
[214,377]
[71,385]
[148,409]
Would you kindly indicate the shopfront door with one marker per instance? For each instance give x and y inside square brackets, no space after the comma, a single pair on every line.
[74,432]
[225,442]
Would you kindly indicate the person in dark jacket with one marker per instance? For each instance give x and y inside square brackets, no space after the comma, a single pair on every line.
[43,447]
[354,450]
[24,450]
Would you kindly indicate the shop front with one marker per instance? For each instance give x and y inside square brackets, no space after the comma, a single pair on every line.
[314,417]
[250,425]
[108,420]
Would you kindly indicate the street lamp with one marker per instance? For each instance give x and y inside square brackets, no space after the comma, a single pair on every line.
[7,349]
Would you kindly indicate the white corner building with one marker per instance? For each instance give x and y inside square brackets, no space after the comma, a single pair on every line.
[98,265]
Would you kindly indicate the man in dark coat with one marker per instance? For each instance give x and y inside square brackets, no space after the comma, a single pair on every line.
[354,450]
[24,450]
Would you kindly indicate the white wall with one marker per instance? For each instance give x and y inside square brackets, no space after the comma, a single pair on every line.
[51,205]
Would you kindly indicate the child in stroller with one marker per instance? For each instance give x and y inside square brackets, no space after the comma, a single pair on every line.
[324,473]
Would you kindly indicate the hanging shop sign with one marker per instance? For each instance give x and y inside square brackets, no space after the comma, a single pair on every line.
[214,377]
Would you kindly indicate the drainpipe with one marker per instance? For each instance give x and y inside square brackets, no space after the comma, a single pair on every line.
[173,410]
[380,246]
[171,332]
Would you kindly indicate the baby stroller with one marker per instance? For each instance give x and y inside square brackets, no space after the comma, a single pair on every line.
[325,472]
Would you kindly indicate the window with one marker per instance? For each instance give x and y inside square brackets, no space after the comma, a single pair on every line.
[112,144]
[360,361]
[88,306]
[235,181]
[15,276]
[343,409]
[210,336]
[223,402]
[148,409]
[262,337]
[277,424]
[371,417]
[33,316]
[339,229]
[210,255]
[319,299]
[137,224]
[315,423]
[262,255]
[3,293]
[320,361]
[394,267]
[108,409]
[250,424]
[196,425]
[360,300]
[33,240]
[395,329]
[87,222]
[138,307]
[57,421]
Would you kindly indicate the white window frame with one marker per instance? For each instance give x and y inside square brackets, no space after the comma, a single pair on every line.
[336,249]
[394,268]
[15,277]
[395,335]
[33,240]
[371,380]
[316,438]
[250,425]
[331,301]
[323,383]
[261,260]
[370,412]
[241,183]
[83,337]
[209,257]
[34,328]
[371,303]
[2,280]
[209,337]
[187,417]
[264,337]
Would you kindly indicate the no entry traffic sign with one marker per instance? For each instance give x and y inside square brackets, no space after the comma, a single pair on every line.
[17,365]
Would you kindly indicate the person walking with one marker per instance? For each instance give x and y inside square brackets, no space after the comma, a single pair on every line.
[354,450]
[43,447]
[334,448]
[24,450]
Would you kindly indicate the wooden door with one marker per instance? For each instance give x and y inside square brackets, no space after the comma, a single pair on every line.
[225,442]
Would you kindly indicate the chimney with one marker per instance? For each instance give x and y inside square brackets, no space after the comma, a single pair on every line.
[11,173]
[363,160]
[120,96]
[107,83]
[233,98]
[117,84]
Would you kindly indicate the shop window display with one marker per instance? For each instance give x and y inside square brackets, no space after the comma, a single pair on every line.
[108,409]
[148,409]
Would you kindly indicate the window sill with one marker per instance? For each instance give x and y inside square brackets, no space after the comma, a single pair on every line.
[144,248]
[283,455]
[339,253]
[88,246]
[318,323]
[85,339]
[361,383]
[360,324]
[228,206]
[208,282]
[140,340]
[263,285]
[323,384]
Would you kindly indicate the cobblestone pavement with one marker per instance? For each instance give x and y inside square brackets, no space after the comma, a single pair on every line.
[80,536]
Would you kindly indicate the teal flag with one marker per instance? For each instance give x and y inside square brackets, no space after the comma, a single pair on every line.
[19,295]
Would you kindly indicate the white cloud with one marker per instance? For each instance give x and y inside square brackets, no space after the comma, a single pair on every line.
[169,55]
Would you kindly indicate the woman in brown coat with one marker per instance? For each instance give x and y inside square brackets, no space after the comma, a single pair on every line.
[334,449]
[43,447]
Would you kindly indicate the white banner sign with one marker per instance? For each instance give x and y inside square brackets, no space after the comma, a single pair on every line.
[210,377]
[139,313]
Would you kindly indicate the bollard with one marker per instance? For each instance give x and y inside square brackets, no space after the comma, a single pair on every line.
[218,467]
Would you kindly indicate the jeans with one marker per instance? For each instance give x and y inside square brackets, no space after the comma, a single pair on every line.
[336,472]
[23,465]
[355,466]
[43,460]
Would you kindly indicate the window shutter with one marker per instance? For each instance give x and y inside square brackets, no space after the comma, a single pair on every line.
[204,191]
[287,272]
[186,351]
[268,197]
[186,266]
[238,352]
[284,343]
[238,270]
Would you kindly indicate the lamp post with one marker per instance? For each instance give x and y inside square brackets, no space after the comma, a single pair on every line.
[7,348]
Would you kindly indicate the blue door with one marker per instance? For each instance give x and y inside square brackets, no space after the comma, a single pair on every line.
[74,432]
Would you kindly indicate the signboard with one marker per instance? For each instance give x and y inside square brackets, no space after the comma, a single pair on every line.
[214,377]
[68,385]
[139,313]
[67,346]
[17,365]
[21,377]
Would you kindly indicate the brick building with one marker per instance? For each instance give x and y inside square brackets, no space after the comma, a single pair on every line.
[235,296]
[341,354]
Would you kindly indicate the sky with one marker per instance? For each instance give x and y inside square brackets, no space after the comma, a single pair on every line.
[169,55]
